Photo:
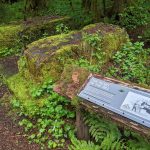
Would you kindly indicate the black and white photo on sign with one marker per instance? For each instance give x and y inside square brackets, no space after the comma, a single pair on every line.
[137,104]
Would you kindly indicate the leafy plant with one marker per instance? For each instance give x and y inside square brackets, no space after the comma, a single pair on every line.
[97,55]
[47,123]
[130,63]
[84,145]
[61,28]
[135,16]
[108,136]
[46,87]
[135,141]
[82,62]
[94,41]
[8,51]
[105,133]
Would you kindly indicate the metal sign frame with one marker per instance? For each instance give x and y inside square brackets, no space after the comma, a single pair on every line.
[113,100]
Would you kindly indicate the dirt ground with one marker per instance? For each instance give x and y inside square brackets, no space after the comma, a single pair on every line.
[11,135]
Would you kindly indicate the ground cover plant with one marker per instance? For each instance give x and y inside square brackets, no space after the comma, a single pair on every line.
[107,136]
[131,63]
[49,123]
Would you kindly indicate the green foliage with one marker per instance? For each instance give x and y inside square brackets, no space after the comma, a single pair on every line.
[105,133]
[135,141]
[146,35]
[95,43]
[47,87]
[11,12]
[135,16]
[80,18]
[82,145]
[109,137]
[84,63]
[93,40]
[97,55]
[9,51]
[61,28]
[76,12]
[6,52]
[48,121]
[131,63]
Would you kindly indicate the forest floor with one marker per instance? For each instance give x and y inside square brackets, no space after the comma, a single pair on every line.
[11,135]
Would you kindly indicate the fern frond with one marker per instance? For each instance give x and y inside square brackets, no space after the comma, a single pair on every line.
[82,145]
[100,128]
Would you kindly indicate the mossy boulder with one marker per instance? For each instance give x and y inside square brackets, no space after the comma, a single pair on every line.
[48,56]
[22,33]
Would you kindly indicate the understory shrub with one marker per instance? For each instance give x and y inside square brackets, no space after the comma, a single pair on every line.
[135,16]
[131,63]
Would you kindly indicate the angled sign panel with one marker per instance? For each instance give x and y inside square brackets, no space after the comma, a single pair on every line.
[124,100]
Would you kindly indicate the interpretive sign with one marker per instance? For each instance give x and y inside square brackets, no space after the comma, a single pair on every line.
[122,99]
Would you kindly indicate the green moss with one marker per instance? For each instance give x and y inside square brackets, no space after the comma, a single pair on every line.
[48,56]
[21,89]
[89,27]
[75,101]
[56,65]
[9,35]
[19,86]
[20,34]
[50,41]
[112,42]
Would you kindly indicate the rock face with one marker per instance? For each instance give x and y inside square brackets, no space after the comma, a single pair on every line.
[28,31]
[49,55]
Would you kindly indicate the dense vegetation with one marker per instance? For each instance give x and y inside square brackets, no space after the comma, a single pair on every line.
[47,118]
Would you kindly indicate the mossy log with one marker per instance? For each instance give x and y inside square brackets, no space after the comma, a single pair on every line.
[49,55]
[27,31]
